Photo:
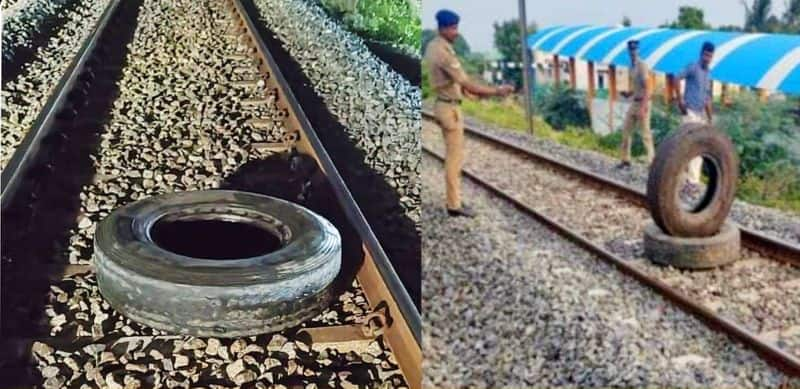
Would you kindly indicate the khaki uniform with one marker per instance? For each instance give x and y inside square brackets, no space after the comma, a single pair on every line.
[639,76]
[446,78]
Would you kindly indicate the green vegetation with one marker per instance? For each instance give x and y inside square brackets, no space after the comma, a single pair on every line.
[562,107]
[765,135]
[758,18]
[626,21]
[393,22]
[690,18]
[508,42]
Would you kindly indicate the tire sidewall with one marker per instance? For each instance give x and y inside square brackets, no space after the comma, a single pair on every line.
[216,297]
[668,169]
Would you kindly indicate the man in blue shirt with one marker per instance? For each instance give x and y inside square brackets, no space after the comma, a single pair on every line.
[695,104]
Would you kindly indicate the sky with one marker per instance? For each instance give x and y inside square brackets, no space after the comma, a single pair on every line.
[477,16]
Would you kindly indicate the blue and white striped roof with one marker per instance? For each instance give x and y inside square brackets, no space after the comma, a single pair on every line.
[769,61]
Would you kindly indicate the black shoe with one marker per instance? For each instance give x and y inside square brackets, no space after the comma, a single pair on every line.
[624,165]
[463,211]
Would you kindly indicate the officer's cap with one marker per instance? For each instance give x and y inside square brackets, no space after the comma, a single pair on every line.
[446,18]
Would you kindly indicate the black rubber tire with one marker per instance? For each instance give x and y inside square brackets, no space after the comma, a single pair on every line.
[667,171]
[693,253]
[221,298]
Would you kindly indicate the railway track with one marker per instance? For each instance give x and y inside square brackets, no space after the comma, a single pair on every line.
[173,97]
[754,300]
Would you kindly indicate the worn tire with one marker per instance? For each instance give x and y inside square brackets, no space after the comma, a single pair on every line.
[693,253]
[667,170]
[210,297]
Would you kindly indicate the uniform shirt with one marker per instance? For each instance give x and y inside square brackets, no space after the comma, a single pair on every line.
[639,76]
[446,74]
[697,91]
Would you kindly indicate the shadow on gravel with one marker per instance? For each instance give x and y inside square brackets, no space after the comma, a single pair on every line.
[405,65]
[297,178]
[378,201]
[35,227]
[51,26]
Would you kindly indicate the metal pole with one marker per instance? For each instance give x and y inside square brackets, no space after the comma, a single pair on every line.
[526,63]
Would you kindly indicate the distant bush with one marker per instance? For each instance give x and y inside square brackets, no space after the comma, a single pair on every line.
[562,107]
[767,139]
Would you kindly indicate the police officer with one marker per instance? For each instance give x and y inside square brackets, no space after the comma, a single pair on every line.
[639,110]
[447,79]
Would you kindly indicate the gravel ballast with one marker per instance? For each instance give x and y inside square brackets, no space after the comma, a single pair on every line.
[756,292]
[507,303]
[24,97]
[22,20]
[379,108]
[365,114]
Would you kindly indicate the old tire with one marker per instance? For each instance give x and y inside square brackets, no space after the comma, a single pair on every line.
[693,253]
[667,171]
[250,291]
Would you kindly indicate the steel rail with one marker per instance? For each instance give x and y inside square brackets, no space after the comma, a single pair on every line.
[343,195]
[772,247]
[25,154]
[377,276]
[787,363]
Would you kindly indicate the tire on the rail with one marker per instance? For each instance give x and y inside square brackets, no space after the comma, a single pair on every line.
[693,253]
[668,170]
[255,293]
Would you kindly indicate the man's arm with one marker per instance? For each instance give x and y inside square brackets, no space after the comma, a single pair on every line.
[676,87]
[710,103]
[457,74]
[482,90]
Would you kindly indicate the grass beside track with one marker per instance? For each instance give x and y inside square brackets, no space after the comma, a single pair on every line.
[393,22]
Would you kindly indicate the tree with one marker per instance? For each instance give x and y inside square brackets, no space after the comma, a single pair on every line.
[461,46]
[690,18]
[729,28]
[427,37]
[626,21]
[791,18]
[507,42]
[757,15]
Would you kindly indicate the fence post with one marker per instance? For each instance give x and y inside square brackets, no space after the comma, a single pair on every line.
[590,89]
[572,81]
[557,68]
[526,65]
